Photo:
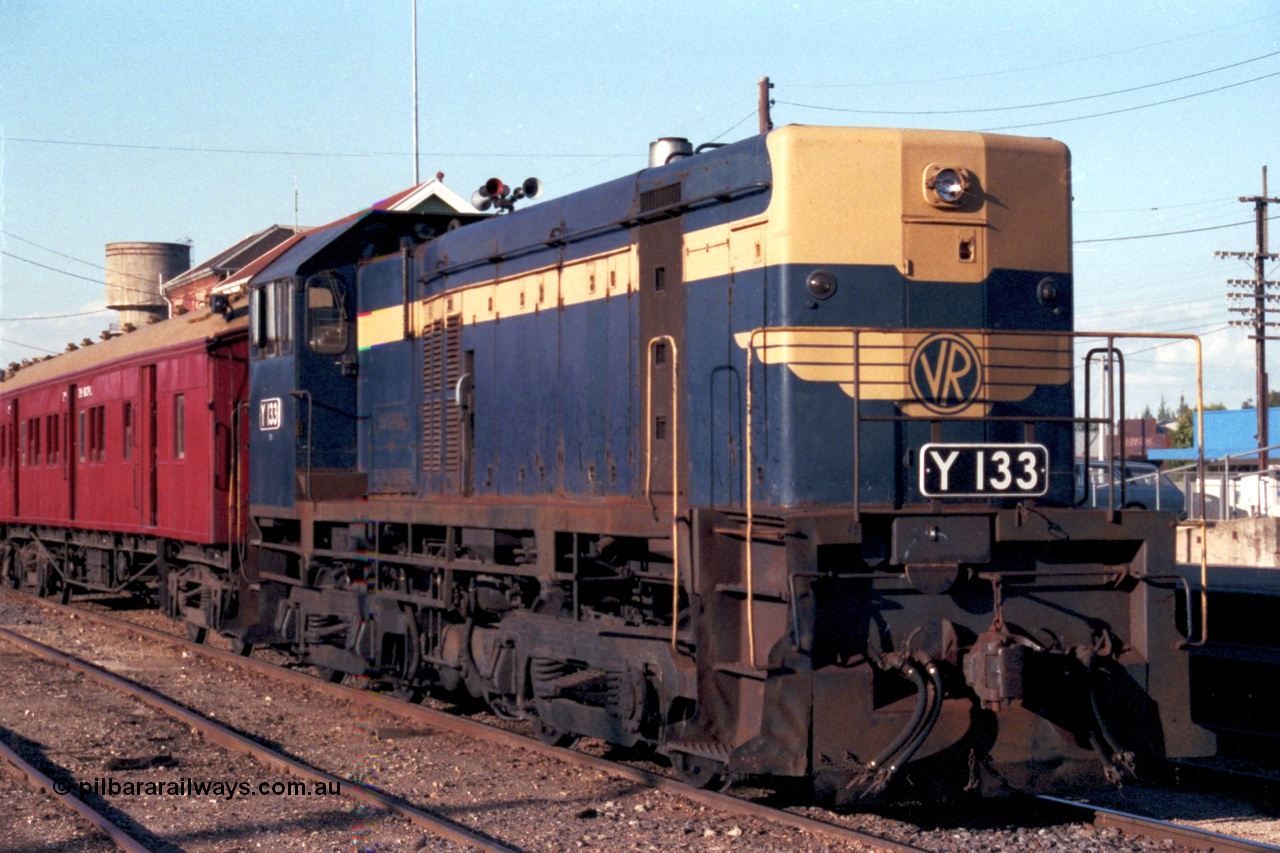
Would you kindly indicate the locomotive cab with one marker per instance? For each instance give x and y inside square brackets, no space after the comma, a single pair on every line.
[304,361]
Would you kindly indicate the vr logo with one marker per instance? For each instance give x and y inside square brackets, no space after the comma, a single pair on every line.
[946,373]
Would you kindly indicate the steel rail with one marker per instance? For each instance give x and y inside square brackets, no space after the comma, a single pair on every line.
[1162,830]
[444,721]
[118,836]
[226,738]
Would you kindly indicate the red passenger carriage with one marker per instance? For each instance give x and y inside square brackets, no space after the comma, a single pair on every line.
[124,459]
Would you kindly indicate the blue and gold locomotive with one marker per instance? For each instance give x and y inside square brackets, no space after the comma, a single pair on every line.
[761,457]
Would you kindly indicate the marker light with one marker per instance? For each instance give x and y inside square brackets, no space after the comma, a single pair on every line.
[822,284]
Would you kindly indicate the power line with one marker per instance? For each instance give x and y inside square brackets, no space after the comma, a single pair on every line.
[1138,107]
[1167,233]
[28,346]
[1034,67]
[274,153]
[1033,106]
[13,236]
[54,316]
[47,267]
[75,275]
[1213,201]
[730,130]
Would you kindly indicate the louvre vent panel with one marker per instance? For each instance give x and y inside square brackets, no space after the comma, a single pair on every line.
[441,368]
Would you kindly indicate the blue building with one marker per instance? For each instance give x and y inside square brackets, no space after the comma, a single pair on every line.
[1227,432]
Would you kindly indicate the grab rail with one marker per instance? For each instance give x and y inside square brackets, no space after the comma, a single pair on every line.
[675,469]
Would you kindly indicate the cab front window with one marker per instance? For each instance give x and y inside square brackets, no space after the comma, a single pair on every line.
[326,323]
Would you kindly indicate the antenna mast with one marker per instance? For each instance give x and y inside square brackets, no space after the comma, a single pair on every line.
[415,92]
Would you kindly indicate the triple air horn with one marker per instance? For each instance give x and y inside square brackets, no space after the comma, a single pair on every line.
[494,193]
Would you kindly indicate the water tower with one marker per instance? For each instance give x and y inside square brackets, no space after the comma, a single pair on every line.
[136,273]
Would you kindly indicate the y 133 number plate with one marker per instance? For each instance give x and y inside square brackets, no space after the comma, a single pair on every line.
[984,470]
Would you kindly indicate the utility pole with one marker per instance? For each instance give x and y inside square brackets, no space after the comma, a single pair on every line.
[766,120]
[1256,314]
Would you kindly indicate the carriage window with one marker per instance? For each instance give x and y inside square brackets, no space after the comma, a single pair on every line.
[128,431]
[326,326]
[179,426]
[53,443]
[35,441]
[97,434]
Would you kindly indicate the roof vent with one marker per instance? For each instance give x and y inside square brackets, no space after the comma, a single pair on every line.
[669,149]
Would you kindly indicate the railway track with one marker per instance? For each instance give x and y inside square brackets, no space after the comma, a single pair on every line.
[729,807]
[37,780]
[416,715]
[223,736]
[1161,830]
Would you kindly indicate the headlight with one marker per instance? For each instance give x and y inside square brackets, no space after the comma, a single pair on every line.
[949,186]
[946,186]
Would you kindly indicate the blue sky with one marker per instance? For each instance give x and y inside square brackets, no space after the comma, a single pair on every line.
[185,121]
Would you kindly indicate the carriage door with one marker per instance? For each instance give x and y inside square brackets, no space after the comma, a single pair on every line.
[68,448]
[12,466]
[144,469]
[661,309]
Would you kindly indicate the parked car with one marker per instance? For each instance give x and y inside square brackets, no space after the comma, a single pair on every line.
[1138,485]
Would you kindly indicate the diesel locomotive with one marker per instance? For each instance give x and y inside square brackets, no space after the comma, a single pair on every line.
[760,458]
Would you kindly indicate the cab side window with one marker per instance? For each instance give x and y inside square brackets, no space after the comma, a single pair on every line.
[271,318]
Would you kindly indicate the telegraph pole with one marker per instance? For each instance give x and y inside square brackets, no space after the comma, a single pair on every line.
[1256,314]
[762,107]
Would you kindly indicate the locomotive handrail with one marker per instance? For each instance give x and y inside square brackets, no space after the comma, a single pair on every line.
[1204,557]
[298,395]
[675,470]
[855,333]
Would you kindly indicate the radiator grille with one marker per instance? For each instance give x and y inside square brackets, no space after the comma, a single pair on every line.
[660,197]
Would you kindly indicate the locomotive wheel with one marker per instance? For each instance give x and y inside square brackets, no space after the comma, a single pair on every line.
[552,736]
[241,647]
[197,634]
[699,772]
